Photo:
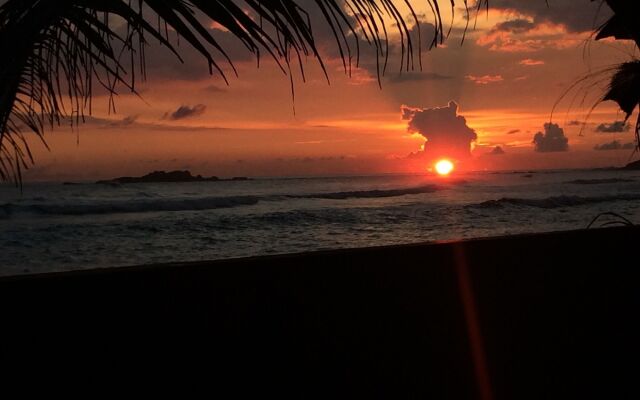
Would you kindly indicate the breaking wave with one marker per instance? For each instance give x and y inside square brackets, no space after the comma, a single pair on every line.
[370,194]
[132,206]
[600,181]
[191,204]
[555,201]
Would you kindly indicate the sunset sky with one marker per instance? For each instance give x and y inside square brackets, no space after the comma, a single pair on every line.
[504,81]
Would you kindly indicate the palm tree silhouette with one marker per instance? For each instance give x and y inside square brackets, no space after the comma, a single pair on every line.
[624,87]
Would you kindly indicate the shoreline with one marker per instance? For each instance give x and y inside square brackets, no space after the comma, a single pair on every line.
[271,259]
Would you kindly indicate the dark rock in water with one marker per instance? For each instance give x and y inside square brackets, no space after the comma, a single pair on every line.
[165,177]
[70,183]
[527,176]
[162,177]
[633,166]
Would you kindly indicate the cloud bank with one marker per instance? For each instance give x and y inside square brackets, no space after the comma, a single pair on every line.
[186,112]
[577,19]
[497,151]
[614,145]
[124,122]
[552,140]
[447,133]
[485,80]
[614,127]
[413,76]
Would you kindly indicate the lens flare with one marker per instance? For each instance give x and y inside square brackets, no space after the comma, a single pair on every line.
[444,167]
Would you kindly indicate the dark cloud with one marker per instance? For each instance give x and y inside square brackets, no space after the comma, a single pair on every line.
[312,159]
[126,121]
[446,132]
[513,131]
[615,145]
[552,140]
[418,34]
[214,89]
[98,122]
[186,112]
[574,123]
[162,63]
[629,146]
[417,77]
[497,151]
[577,16]
[515,26]
[614,127]
[537,26]
[133,122]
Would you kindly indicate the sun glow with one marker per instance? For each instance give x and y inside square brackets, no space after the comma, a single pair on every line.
[444,167]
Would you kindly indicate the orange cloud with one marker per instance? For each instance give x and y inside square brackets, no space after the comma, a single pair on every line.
[485,80]
[505,37]
[529,62]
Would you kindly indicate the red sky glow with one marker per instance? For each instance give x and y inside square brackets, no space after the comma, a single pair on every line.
[505,79]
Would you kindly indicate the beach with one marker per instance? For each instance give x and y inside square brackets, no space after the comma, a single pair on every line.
[525,316]
[340,199]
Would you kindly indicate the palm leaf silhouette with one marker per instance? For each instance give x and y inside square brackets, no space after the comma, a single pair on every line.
[56,51]
[624,87]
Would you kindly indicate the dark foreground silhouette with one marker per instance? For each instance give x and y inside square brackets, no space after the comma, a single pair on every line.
[524,317]
[635,165]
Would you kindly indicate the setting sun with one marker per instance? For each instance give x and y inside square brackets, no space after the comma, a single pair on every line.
[444,167]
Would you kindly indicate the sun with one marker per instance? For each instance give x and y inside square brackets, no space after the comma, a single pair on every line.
[444,167]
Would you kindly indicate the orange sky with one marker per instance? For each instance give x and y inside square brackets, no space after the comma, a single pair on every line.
[506,78]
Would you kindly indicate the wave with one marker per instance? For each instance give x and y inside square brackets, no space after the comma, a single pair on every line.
[554,201]
[370,194]
[191,204]
[600,181]
[132,206]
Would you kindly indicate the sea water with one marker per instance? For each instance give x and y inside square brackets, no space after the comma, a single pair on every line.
[53,227]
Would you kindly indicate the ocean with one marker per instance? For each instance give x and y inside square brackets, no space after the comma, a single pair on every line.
[54,227]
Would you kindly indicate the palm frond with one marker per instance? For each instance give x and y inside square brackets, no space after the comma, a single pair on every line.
[56,51]
[623,25]
[624,86]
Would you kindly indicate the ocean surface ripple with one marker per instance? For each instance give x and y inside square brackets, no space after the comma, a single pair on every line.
[54,227]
